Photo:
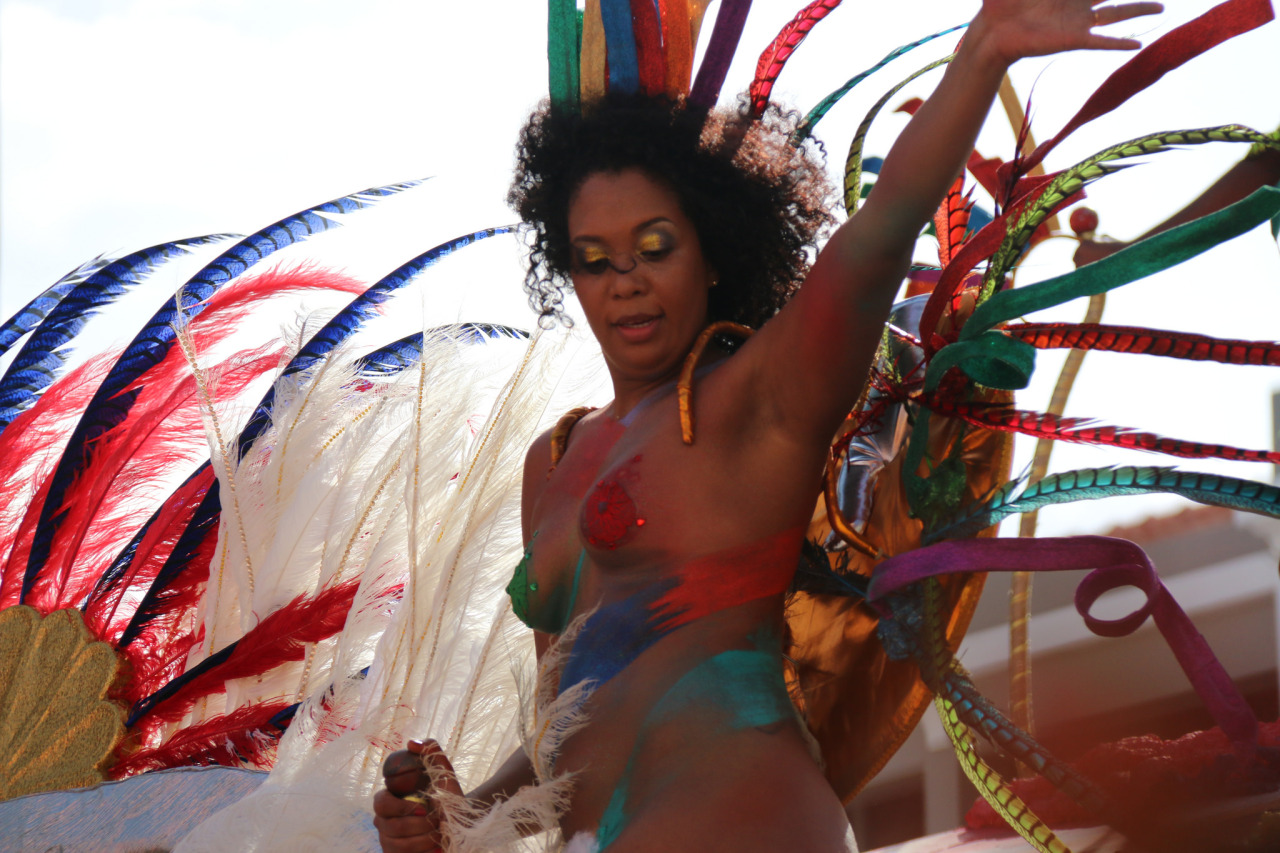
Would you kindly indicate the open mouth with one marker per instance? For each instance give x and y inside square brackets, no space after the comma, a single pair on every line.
[636,321]
[637,328]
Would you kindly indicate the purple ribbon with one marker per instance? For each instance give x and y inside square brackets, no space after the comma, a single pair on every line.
[724,43]
[1115,563]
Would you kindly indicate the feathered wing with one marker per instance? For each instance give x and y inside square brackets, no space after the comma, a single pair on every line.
[113,401]
[432,532]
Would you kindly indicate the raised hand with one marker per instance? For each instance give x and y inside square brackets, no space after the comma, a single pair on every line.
[413,825]
[1015,29]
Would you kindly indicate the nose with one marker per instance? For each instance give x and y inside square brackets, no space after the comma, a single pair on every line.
[628,281]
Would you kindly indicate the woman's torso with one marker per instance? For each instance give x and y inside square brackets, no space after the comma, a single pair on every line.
[682,555]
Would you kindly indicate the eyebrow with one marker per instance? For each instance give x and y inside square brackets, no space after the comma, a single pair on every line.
[583,238]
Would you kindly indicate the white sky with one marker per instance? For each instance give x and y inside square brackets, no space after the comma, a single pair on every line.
[126,123]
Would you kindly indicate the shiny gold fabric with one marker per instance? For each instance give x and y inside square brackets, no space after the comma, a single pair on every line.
[859,704]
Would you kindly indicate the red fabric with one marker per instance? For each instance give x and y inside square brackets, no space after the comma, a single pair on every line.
[649,52]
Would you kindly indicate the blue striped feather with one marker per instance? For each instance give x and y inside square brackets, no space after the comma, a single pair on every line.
[405,353]
[109,408]
[981,715]
[144,706]
[153,342]
[993,788]
[182,553]
[34,312]
[349,320]
[153,603]
[38,363]
[1095,483]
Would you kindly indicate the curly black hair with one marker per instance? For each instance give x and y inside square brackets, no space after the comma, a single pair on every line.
[759,204]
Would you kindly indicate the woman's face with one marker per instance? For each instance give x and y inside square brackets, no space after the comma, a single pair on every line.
[639,272]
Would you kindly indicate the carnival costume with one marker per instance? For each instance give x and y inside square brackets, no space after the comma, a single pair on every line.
[332,564]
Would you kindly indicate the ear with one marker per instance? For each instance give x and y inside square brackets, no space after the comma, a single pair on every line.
[713,277]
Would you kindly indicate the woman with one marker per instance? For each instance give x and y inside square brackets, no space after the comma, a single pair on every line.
[680,553]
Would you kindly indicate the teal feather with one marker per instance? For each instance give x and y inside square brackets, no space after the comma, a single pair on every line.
[1095,483]
[815,115]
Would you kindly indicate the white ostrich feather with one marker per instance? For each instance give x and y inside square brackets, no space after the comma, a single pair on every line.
[410,486]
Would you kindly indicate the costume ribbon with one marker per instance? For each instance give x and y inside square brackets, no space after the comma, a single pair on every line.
[564,29]
[1116,563]
[724,43]
[650,56]
[620,44]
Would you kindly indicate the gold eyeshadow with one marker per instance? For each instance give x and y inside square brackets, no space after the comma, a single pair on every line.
[592,254]
[654,241]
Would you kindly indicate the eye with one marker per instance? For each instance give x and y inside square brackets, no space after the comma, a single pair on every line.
[590,259]
[654,246]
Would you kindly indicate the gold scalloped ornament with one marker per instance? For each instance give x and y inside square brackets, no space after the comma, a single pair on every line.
[57,729]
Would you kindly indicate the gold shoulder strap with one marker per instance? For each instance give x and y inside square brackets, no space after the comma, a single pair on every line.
[560,434]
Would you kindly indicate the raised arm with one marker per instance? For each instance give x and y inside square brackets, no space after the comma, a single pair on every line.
[813,357]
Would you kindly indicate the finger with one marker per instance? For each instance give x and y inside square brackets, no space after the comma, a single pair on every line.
[423,830]
[1104,16]
[441,769]
[1096,42]
[387,805]
[403,773]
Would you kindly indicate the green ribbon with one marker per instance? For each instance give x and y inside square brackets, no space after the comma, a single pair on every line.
[563,34]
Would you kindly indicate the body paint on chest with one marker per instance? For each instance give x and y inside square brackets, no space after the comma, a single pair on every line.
[609,515]
[617,633]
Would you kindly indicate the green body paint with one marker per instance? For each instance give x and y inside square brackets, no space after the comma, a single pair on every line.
[746,684]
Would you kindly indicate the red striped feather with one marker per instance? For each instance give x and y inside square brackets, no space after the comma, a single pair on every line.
[1140,341]
[951,220]
[775,56]
[1044,425]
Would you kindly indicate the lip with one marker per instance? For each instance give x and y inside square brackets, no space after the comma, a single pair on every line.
[637,328]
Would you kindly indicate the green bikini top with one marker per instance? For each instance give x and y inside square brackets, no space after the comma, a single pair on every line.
[542,609]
